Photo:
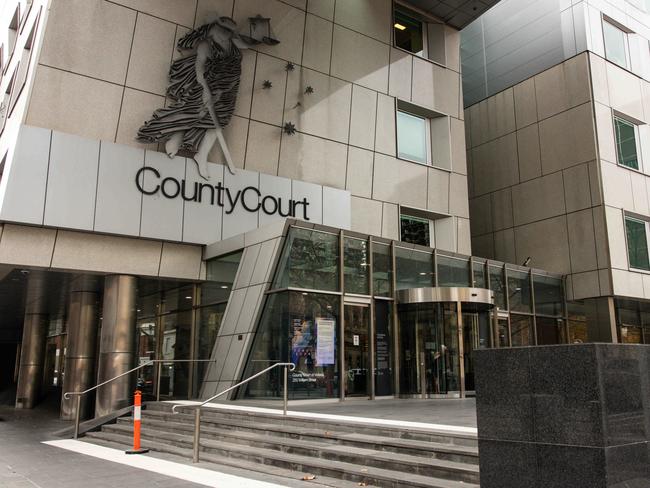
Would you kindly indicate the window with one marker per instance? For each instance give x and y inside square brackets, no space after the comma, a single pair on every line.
[415,230]
[626,143]
[408,31]
[637,243]
[616,44]
[413,137]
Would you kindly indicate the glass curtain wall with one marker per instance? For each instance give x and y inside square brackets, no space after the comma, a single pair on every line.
[633,319]
[180,321]
[332,303]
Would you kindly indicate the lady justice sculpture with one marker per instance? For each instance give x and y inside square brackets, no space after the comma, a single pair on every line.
[203,87]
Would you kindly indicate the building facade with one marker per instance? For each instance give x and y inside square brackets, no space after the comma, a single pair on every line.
[556,117]
[347,195]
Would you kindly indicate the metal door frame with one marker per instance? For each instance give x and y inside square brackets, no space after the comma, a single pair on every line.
[479,298]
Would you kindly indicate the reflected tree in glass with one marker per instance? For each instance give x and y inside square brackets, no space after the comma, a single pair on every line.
[309,260]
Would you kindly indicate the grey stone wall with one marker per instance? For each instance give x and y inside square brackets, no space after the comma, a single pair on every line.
[564,416]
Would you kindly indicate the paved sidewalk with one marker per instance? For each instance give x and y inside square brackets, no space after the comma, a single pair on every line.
[27,463]
[452,411]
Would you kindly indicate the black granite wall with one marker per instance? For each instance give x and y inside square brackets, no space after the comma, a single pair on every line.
[570,416]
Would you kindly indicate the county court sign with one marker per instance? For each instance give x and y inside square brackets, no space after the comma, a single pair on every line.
[249,198]
[60,180]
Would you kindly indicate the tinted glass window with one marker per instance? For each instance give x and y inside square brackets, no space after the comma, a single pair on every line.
[356,262]
[414,268]
[637,244]
[408,32]
[548,295]
[519,291]
[310,259]
[415,230]
[626,143]
[382,272]
[452,271]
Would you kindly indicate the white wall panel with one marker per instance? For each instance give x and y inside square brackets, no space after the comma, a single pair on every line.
[314,195]
[202,221]
[278,187]
[336,208]
[118,206]
[27,169]
[239,220]
[162,217]
[72,182]
[92,186]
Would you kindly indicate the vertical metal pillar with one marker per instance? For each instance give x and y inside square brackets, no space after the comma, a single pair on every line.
[342,365]
[117,343]
[81,345]
[371,343]
[461,349]
[32,354]
[395,322]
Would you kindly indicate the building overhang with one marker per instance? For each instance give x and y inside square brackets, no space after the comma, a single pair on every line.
[455,13]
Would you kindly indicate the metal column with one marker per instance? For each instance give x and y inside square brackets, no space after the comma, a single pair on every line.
[117,343]
[81,344]
[32,354]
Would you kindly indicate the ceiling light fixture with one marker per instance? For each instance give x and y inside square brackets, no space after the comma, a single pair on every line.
[400,26]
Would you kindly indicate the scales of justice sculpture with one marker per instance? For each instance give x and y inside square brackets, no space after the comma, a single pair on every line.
[203,88]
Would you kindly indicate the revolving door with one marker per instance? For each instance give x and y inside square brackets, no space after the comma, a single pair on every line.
[439,328]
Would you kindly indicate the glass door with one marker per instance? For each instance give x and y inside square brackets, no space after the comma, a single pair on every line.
[356,353]
[476,335]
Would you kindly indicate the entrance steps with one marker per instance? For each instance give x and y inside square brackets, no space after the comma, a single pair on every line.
[339,454]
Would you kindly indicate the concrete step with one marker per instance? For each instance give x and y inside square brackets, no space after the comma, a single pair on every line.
[425,435]
[306,453]
[245,432]
[236,467]
[261,459]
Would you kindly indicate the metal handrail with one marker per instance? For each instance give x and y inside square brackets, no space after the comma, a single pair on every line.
[79,394]
[197,411]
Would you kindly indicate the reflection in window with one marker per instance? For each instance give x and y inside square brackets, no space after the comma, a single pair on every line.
[382,270]
[408,32]
[502,332]
[497,286]
[220,275]
[175,344]
[521,330]
[577,323]
[415,230]
[637,243]
[414,268]
[207,327]
[302,328]
[356,263]
[479,275]
[412,136]
[519,291]
[626,143]
[549,331]
[452,271]
[615,44]
[548,295]
[310,259]
[631,335]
